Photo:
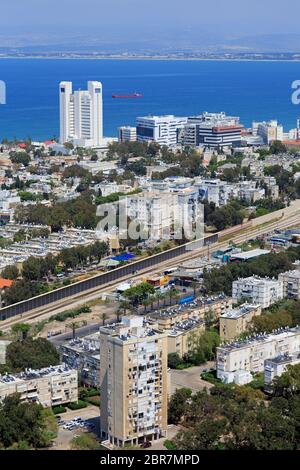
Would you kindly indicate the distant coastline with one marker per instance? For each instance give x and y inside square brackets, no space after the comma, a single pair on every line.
[284,57]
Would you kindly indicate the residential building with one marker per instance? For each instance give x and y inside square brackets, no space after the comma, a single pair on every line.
[51,386]
[196,310]
[164,130]
[83,354]
[291,284]
[81,115]
[183,336]
[268,131]
[215,190]
[250,354]
[276,366]
[4,284]
[133,382]
[127,134]
[160,212]
[234,322]
[262,291]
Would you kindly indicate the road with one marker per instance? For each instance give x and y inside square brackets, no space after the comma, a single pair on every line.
[291,218]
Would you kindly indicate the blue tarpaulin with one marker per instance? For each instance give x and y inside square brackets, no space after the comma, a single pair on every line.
[124,257]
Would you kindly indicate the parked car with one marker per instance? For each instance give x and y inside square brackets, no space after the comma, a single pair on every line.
[145,445]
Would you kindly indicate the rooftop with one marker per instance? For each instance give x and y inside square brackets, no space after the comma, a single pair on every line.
[240,312]
[30,374]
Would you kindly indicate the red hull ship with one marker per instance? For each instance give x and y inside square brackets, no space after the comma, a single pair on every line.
[132,95]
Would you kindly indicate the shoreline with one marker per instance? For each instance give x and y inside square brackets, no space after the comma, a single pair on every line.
[153,58]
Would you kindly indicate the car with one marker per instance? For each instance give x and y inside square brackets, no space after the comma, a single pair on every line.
[146,445]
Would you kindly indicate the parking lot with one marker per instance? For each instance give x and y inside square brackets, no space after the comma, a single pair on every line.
[190,378]
[73,423]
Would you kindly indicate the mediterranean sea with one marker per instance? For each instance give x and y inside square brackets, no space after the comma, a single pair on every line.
[251,90]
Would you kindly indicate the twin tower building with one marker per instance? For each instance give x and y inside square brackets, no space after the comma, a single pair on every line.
[81,115]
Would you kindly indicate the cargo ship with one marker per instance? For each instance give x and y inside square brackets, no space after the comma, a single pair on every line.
[132,95]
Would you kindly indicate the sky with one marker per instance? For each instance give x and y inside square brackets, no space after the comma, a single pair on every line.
[50,21]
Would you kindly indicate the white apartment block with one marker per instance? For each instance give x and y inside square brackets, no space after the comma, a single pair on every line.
[262,291]
[249,356]
[160,214]
[276,366]
[268,131]
[81,114]
[291,284]
[127,134]
[216,191]
[133,382]
[51,386]
[165,130]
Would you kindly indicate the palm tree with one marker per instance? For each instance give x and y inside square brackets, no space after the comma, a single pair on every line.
[172,293]
[194,286]
[104,317]
[145,303]
[159,296]
[123,307]
[75,325]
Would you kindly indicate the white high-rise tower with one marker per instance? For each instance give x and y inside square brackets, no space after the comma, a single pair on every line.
[81,115]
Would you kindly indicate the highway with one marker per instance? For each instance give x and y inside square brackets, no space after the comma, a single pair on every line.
[83,297]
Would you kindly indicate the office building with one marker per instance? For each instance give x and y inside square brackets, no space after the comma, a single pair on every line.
[240,359]
[291,284]
[213,130]
[127,134]
[51,386]
[234,322]
[133,382]
[165,130]
[262,291]
[81,115]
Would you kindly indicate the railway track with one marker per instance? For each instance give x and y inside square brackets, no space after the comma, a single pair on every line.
[46,311]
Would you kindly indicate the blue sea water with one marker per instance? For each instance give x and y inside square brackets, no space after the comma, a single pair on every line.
[251,90]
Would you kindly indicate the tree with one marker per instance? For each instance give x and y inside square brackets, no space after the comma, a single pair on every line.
[288,383]
[104,317]
[178,404]
[10,272]
[22,424]
[174,360]
[21,329]
[74,326]
[31,353]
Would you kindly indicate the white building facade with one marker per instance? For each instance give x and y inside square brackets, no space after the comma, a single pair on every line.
[249,356]
[81,114]
[262,291]
[165,130]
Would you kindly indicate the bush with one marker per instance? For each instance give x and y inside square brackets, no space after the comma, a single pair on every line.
[88,392]
[57,410]
[169,445]
[93,400]
[77,405]
[85,441]
[211,377]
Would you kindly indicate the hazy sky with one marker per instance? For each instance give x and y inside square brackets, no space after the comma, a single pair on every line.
[132,18]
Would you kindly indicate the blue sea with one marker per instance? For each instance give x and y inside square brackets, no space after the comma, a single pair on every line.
[251,90]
